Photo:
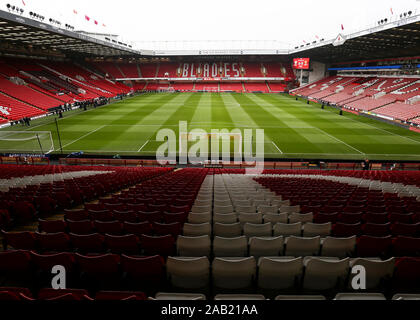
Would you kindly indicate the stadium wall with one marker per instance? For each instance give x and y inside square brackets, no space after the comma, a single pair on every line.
[318,71]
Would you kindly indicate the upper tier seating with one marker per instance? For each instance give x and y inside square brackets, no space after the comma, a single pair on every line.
[148,70]
[252,70]
[111,69]
[130,70]
[168,70]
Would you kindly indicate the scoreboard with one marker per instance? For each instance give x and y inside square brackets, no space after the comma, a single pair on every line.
[301,63]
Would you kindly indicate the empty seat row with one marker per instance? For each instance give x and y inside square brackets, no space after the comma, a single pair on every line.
[265,246]
[114,272]
[24,294]
[364,246]
[47,294]
[269,273]
[250,217]
[112,227]
[128,216]
[91,243]
[256,297]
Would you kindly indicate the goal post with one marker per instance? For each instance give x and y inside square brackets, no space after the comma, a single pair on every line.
[38,142]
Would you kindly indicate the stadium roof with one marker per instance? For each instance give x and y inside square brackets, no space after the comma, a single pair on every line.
[30,33]
[396,38]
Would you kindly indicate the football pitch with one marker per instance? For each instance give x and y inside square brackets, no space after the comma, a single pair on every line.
[292,129]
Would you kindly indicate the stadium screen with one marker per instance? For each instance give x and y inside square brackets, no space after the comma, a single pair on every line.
[301,63]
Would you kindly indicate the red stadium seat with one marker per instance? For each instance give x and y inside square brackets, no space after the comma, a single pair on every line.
[321,218]
[145,272]
[81,227]
[119,295]
[376,230]
[44,263]
[63,294]
[112,227]
[19,240]
[103,216]
[347,230]
[126,216]
[99,271]
[368,246]
[128,244]
[9,296]
[45,205]
[150,216]
[406,275]
[175,217]
[76,215]
[403,229]
[18,294]
[164,245]
[92,243]
[138,228]
[403,218]
[406,247]
[15,268]
[350,218]
[53,241]
[174,229]
[55,226]
[23,211]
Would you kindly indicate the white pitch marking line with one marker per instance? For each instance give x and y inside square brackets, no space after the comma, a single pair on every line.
[143,145]
[380,129]
[84,136]
[340,141]
[277,147]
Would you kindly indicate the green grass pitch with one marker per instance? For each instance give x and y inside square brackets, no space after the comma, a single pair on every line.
[293,129]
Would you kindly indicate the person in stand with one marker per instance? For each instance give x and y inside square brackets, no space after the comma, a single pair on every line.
[366,165]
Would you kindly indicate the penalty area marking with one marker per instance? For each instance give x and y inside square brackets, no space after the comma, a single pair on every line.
[82,137]
[341,141]
[141,148]
[281,152]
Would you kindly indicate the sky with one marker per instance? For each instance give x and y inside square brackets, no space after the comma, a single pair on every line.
[291,22]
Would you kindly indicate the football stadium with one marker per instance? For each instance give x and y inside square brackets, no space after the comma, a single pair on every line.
[214,170]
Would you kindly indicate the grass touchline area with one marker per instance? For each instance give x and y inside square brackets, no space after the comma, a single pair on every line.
[293,129]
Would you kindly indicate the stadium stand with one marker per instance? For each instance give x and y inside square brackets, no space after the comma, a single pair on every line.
[401,111]
[148,70]
[12,109]
[252,70]
[256,87]
[129,70]
[385,96]
[183,86]
[168,70]
[277,87]
[232,86]
[28,95]
[169,216]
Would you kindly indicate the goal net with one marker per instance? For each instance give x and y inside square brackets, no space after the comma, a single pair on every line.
[39,142]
